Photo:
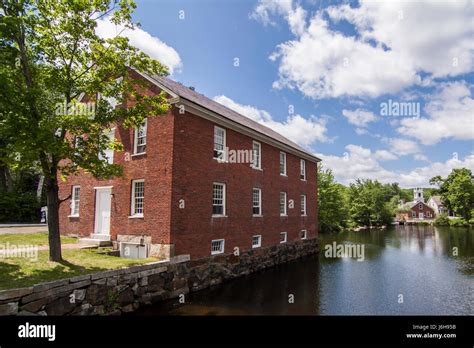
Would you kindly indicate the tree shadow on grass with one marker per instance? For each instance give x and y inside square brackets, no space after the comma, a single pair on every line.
[19,275]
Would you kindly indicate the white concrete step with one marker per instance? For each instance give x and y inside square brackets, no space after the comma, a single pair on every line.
[97,239]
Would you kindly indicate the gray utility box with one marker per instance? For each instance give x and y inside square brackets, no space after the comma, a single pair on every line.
[133,250]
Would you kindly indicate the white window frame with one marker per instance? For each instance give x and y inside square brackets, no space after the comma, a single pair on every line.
[135,138]
[286,237]
[259,236]
[420,206]
[305,236]
[75,203]
[224,140]
[259,202]
[303,169]
[133,199]
[220,251]
[108,153]
[223,199]
[258,156]
[303,205]
[284,163]
[286,205]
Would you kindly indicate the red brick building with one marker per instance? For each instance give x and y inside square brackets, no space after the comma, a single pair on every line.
[178,195]
[415,210]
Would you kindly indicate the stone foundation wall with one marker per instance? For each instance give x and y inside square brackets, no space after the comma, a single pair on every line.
[124,290]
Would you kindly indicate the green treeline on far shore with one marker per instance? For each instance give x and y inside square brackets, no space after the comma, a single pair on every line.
[370,203]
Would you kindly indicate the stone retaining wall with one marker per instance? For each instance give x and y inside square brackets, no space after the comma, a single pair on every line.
[124,290]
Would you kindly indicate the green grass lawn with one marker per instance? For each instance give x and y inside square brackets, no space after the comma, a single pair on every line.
[40,238]
[17,272]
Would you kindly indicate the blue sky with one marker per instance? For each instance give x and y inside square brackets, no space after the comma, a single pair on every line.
[335,64]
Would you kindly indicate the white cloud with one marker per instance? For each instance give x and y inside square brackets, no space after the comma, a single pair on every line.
[266,8]
[295,15]
[359,117]
[303,131]
[142,40]
[412,29]
[361,131]
[362,163]
[297,20]
[421,157]
[386,55]
[403,147]
[450,115]
[384,155]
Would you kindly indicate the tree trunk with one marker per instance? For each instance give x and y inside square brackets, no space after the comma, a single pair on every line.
[6,182]
[52,196]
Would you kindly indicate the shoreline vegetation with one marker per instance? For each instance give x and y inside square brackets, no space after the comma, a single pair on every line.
[442,220]
[368,203]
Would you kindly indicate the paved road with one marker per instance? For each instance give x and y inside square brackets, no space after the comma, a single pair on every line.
[22,229]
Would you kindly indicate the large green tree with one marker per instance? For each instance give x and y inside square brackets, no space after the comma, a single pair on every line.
[457,191]
[369,203]
[50,55]
[333,210]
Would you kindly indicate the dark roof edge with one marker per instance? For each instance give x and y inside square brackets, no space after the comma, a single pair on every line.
[307,154]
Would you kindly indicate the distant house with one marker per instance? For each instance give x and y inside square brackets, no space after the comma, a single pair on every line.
[416,209]
[437,205]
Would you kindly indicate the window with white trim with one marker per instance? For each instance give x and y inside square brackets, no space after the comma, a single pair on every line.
[138,197]
[303,205]
[256,201]
[256,241]
[303,234]
[413,214]
[217,246]
[256,155]
[75,199]
[420,206]
[283,207]
[108,153]
[218,199]
[283,237]
[139,142]
[219,143]
[302,169]
[282,163]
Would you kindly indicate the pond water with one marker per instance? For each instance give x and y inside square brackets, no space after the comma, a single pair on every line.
[403,270]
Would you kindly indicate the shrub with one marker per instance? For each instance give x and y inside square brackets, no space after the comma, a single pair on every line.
[19,207]
[458,223]
[441,220]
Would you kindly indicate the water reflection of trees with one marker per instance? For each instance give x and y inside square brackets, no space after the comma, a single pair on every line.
[372,240]
[423,239]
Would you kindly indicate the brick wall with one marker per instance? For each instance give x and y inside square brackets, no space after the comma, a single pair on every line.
[425,209]
[179,165]
[155,167]
[195,170]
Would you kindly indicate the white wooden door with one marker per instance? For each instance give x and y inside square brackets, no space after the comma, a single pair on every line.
[102,210]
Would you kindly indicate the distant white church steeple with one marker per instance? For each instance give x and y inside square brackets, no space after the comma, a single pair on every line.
[418,195]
